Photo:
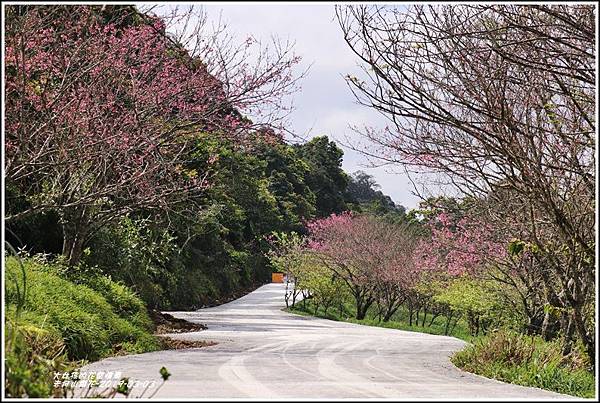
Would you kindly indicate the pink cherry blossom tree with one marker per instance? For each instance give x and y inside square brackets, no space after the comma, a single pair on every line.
[479,247]
[493,99]
[459,247]
[371,256]
[103,108]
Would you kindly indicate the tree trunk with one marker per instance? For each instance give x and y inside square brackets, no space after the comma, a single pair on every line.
[390,313]
[448,324]
[361,312]
[295,294]
[433,319]
[362,307]
[534,325]
[586,337]
[75,226]
[569,331]
[287,294]
[546,326]
[471,321]
[380,310]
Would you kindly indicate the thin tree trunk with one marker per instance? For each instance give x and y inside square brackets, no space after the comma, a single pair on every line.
[448,324]
[433,319]
[586,338]
[390,313]
[546,326]
[75,226]
[287,294]
[569,331]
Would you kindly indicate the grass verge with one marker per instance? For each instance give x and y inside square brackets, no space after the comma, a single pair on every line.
[503,355]
[56,325]
[398,321]
[529,361]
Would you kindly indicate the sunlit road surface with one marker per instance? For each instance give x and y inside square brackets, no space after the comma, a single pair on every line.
[265,353]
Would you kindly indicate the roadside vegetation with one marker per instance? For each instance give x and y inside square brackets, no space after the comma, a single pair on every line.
[501,354]
[508,127]
[344,313]
[530,361]
[430,271]
[55,324]
[503,131]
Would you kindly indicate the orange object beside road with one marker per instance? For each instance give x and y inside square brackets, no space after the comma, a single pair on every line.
[277,278]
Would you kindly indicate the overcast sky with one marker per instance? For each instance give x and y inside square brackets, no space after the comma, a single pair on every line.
[325,105]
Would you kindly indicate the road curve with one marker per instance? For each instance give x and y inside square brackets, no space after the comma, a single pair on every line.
[265,353]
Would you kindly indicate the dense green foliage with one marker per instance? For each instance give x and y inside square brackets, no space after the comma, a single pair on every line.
[95,319]
[220,248]
[203,254]
[325,178]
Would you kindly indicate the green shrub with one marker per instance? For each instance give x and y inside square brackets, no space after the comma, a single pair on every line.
[124,302]
[90,325]
[33,354]
[528,361]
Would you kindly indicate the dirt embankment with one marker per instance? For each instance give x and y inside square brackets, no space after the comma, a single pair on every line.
[167,324]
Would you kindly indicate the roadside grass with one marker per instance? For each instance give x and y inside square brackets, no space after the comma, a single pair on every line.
[399,320]
[503,355]
[529,361]
[58,325]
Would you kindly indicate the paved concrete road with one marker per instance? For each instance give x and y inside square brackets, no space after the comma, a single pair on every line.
[264,352]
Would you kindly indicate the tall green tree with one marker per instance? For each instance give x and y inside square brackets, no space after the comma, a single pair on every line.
[325,178]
